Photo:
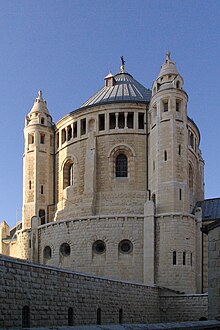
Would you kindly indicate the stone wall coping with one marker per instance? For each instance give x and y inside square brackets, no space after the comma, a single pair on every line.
[4,258]
[160,215]
[85,218]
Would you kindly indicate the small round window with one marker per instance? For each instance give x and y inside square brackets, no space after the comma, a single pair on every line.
[47,252]
[65,249]
[125,246]
[99,247]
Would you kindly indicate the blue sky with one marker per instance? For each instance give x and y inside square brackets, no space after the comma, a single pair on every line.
[67,47]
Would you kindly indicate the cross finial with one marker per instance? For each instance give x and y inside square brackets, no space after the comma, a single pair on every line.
[40,94]
[122,64]
[168,55]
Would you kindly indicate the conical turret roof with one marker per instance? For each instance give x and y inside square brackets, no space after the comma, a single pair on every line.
[40,105]
[168,67]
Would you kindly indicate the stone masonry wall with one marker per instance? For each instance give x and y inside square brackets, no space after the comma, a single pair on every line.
[183,307]
[50,292]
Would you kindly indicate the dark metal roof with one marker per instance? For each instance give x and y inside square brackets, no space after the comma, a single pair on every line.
[210,209]
[124,89]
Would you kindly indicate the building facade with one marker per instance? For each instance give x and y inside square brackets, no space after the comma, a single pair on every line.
[112,188]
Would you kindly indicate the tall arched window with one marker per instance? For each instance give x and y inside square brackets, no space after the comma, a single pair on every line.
[99,316]
[190,177]
[121,166]
[68,174]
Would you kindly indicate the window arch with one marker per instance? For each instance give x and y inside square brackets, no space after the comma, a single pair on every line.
[121,161]
[121,166]
[68,174]
[190,177]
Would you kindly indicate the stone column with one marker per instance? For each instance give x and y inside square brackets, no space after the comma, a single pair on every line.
[149,243]
[198,251]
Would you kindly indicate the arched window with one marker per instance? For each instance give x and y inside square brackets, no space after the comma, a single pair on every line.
[125,246]
[99,316]
[68,174]
[65,249]
[47,252]
[120,315]
[121,166]
[26,317]
[70,316]
[42,216]
[42,121]
[190,177]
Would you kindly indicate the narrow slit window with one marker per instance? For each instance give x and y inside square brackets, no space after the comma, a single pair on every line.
[42,138]
[120,315]
[29,183]
[177,106]
[184,258]
[179,150]
[58,140]
[41,189]
[174,257]
[191,259]
[165,155]
[102,122]
[180,194]
[165,106]
[42,217]
[140,120]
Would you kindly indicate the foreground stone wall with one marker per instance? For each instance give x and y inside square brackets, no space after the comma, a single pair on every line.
[50,292]
[183,307]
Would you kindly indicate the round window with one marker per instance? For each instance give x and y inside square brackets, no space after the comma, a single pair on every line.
[99,247]
[125,246]
[65,249]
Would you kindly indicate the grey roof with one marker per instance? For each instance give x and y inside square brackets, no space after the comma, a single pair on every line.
[210,209]
[125,89]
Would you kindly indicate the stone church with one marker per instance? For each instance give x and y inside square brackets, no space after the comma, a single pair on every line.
[115,187]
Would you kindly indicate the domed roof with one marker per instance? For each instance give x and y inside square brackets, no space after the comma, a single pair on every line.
[168,67]
[40,105]
[121,88]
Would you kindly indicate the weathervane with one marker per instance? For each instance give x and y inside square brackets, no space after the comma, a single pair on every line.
[122,64]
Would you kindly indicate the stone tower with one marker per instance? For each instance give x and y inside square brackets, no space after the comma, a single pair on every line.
[38,163]
[177,232]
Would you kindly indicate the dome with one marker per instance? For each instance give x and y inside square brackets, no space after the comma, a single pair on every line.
[121,87]
[168,67]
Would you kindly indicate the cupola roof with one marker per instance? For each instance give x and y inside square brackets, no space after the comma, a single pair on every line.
[123,88]
[40,105]
[168,67]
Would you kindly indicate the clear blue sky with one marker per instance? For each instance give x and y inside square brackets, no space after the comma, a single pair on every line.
[67,47]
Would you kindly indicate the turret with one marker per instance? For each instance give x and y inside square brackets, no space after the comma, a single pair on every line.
[38,163]
[168,141]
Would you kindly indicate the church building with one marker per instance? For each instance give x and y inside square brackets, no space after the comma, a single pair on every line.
[115,188]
